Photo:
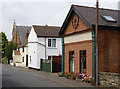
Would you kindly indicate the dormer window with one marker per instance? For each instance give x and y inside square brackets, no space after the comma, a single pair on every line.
[109,19]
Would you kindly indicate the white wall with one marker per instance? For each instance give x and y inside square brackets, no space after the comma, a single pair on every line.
[54,51]
[78,37]
[32,50]
[32,36]
[36,49]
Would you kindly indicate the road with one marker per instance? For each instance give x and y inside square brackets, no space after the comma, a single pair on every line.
[11,77]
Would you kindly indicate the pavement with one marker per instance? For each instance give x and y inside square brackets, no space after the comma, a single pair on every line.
[54,78]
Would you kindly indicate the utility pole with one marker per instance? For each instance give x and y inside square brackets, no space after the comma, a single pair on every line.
[96,41]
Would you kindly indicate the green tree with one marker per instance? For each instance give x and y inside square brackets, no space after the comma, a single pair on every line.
[3,44]
[9,50]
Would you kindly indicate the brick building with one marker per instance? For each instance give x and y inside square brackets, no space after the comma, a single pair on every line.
[78,33]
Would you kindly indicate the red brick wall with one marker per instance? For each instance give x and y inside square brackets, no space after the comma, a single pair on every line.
[76,47]
[82,26]
[108,43]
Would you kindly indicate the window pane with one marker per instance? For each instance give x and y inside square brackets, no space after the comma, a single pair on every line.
[49,42]
[53,42]
[49,57]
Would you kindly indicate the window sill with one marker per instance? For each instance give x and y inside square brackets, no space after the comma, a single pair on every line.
[52,47]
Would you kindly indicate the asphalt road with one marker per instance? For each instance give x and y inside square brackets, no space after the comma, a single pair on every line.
[11,77]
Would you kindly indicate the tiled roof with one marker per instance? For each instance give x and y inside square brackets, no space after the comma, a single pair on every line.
[46,31]
[17,52]
[21,31]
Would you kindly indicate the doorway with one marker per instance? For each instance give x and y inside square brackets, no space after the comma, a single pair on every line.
[26,60]
[71,61]
[83,61]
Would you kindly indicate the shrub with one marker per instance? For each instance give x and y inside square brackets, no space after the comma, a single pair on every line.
[73,77]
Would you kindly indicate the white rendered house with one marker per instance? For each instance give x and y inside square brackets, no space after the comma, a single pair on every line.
[43,42]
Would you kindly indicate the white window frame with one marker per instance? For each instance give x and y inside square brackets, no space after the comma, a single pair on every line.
[52,43]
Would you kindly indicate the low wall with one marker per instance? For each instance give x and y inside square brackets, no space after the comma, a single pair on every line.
[109,79]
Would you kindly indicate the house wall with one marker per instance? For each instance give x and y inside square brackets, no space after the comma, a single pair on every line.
[76,47]
[50,51]
[17,58]
[32,50]
[109,50]
[40,51]
[77,42]
[23,54]
[36,49]
[82,26]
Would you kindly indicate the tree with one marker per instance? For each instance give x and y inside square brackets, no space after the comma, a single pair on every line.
[9,50]
[3,44]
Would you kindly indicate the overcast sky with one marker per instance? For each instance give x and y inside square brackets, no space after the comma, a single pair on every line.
[41,12]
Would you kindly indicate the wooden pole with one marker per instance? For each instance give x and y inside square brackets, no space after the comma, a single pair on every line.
[96,42]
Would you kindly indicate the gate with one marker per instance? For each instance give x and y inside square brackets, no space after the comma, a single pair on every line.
[45,65]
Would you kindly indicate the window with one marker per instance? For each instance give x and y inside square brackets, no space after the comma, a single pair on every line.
[49,57]
[51,42]
[109,19]
[23,49]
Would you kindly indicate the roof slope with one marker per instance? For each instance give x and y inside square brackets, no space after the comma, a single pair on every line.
[88,14]
[21,31]
[23,44]
[46,31]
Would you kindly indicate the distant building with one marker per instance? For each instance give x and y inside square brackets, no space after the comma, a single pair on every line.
[19,33]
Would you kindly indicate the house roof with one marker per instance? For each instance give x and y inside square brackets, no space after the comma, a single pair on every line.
[23,44]
[46,31]
[88,15]
[17,52]
[21,31]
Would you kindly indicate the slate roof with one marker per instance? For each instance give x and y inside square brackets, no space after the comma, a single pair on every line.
[21,31]
[46,31]
[23,44]
[88,14]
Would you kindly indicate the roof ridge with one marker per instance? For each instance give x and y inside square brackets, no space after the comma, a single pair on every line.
[45,26]
[95,7]
[22,26]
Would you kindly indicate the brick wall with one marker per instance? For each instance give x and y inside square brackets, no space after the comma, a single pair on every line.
[76,47]
[108,42]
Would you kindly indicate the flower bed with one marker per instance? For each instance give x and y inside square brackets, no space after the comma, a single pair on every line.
[78,76]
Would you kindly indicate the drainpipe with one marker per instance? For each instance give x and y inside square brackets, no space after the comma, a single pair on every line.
[63,55]
[96,41]
[93,53]
[45,47]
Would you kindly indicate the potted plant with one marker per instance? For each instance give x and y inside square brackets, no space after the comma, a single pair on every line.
[60,74]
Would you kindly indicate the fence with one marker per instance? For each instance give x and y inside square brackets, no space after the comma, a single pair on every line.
[51,66]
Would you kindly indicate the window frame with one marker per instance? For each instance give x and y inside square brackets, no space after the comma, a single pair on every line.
[51,41]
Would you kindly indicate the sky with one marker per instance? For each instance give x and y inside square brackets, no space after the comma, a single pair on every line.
[41,12]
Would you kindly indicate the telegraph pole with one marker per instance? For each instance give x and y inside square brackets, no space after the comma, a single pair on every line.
[96,42]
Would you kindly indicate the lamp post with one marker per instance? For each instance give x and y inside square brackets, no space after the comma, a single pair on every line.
[96,42]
